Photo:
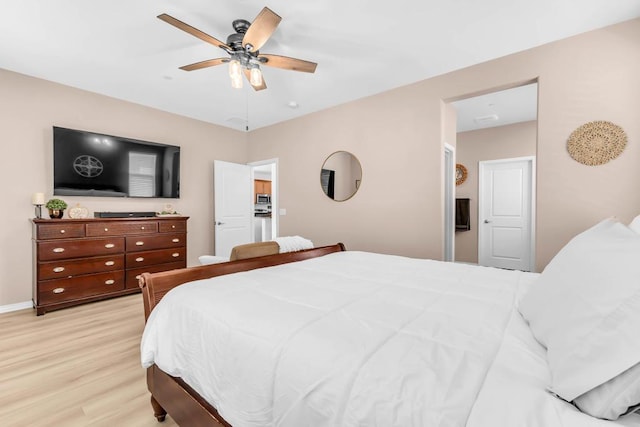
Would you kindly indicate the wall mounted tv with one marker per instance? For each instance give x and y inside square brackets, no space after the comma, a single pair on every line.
[93,164]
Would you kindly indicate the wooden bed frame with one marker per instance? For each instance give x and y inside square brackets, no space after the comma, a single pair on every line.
[170,394]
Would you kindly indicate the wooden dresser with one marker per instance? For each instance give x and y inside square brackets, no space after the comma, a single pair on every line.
[83,260]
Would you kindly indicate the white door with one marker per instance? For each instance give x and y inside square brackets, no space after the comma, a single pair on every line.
[505,213]
[233,207]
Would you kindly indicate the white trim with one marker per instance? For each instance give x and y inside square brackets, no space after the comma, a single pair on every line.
[534,199]
[450,200]
[15,307]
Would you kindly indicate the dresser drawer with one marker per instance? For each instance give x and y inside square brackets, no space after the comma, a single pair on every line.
[133,275]
[60,231]
[143,259]
[96,229]
[145,243]
[49,251]
[60,290]
[173,225]
[69,268]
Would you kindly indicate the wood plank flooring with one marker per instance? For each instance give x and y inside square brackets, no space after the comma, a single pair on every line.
[75,367]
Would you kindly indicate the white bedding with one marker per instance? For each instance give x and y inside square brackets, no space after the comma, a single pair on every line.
[359,339]
[516,389]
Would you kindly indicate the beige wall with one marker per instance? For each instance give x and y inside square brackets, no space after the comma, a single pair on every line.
[29,109]
[503,142]
[389,134]
[398,136]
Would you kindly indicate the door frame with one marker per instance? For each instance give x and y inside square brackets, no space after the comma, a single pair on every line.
[275,191]
[449,169]
[532,204]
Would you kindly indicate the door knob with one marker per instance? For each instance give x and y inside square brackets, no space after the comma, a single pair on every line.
[486,221]
[219,223]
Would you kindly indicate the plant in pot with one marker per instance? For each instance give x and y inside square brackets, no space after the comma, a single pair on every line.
[56,208]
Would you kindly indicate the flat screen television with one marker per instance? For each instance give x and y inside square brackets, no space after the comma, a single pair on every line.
[94,164]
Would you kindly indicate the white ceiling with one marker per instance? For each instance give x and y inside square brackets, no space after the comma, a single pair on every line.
[500,108]
[119,48]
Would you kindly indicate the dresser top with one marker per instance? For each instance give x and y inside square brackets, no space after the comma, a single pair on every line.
[85,220]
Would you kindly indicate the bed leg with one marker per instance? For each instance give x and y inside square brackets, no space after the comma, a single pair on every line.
[158,411]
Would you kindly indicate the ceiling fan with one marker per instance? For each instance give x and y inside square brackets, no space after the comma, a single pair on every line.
[243,49]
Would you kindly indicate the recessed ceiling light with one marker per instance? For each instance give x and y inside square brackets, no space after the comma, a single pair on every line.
[292,104]
[486,119]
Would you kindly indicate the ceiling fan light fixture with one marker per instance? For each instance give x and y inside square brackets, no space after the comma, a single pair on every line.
[235,69]
[255,76]
[236,82]
[243,48]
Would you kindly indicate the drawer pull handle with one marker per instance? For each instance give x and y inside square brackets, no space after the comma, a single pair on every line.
[58,250]
[58,269]
[109,263]
[139,259]
[175,254]
[109,245]
[62,231]
[175,240]
[142,228]
[173,226]
[106,229]
[139,243]
[58,290]
[109,282]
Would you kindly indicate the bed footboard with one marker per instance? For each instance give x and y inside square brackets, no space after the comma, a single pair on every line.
[186,407]
[172,395]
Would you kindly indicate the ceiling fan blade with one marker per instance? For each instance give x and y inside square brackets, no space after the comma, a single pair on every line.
[193,31]
[247,74]
[204,64]
[287,63]
[261,29]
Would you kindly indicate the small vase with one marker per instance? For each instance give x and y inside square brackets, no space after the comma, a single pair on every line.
[56,213]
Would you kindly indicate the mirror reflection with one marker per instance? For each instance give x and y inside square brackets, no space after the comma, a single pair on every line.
[340,176]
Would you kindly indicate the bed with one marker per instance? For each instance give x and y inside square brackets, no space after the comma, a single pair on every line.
[329,337]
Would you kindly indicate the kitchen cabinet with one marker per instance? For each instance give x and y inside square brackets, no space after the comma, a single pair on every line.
[262,186]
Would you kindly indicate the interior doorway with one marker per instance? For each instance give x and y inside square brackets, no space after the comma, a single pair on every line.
[497,125]
[239,217]
[265,184]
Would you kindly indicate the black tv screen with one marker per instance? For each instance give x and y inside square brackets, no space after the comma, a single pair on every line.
[94,164]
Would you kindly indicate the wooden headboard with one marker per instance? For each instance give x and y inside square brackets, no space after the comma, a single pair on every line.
[156,285]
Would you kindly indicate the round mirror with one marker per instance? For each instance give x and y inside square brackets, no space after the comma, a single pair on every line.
[340,176]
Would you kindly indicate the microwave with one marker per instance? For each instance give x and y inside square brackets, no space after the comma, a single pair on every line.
[263,198]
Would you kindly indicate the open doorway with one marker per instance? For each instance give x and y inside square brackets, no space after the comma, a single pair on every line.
[493,127]
[265,200]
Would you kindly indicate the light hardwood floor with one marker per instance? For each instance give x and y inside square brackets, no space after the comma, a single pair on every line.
[75,367]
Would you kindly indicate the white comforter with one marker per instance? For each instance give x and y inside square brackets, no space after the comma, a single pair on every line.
[350,339]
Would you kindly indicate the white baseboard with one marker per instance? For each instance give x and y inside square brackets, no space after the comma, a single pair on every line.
[15,307]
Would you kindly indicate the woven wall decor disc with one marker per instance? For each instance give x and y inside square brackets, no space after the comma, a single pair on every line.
[461,173]
[596,143]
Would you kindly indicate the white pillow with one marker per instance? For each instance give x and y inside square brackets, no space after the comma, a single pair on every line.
[635,224]
[585,308]
[614,398]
